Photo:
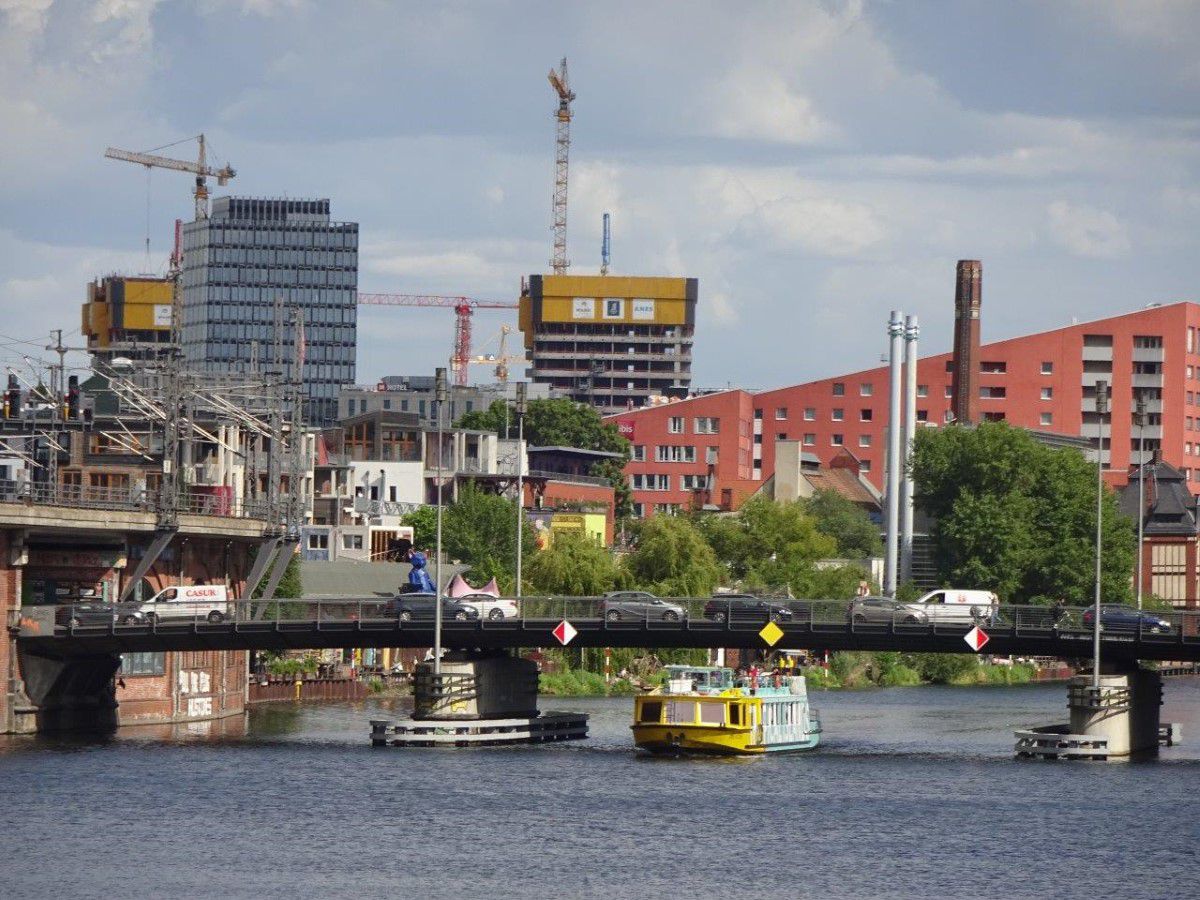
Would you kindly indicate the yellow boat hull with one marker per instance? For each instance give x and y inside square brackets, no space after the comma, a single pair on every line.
[718,740]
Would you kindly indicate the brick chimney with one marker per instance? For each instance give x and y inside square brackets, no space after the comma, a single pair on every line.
[968,297]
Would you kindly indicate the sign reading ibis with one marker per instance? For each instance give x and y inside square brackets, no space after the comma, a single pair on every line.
[976,638]
[564,632]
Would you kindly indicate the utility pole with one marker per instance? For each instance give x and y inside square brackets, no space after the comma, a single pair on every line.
[522,406]
[1101,409]
[57,381]
[440,398]
[1140,418]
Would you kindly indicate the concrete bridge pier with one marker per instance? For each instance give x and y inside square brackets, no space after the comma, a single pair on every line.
[75,694]
[1117,720]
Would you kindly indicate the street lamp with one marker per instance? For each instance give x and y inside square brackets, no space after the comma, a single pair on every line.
[522,406]
[1101,409]
[1140,418]
[440,399]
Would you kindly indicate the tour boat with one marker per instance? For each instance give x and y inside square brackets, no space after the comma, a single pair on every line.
[706,709]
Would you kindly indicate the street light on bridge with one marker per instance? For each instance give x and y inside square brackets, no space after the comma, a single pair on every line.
[440,398]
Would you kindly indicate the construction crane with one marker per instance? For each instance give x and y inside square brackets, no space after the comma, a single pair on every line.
[463,308]
[562,117]
[501,359]
[200,168]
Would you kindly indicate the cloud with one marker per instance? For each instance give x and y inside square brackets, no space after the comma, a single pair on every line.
[1086,230]
[750,103]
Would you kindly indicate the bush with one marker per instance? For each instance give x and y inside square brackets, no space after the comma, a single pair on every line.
[287,667]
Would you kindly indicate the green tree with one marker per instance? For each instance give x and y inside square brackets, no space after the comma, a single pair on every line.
[673,559]
[572,566]
[423,521]
[481,530]
[1017,517]
[847,523]
[563,423]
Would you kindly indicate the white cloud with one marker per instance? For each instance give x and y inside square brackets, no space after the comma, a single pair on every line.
[1086,230]
[756,104]
[26,15]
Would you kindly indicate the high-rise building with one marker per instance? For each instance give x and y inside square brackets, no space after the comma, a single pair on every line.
[611,342]
[249,271]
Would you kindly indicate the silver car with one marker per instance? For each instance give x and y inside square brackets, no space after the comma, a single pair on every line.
[639,606]
[884,611]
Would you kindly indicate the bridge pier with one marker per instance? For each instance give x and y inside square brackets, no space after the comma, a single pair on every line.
[1115,721]
[75,694]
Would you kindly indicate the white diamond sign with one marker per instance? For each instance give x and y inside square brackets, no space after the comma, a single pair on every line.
[976,638]
[564,632]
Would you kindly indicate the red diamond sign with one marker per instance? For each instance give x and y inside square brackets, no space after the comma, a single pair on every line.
[976,638]
[564,632]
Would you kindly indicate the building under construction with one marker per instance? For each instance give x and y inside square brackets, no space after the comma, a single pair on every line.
[610,341]
[128,318]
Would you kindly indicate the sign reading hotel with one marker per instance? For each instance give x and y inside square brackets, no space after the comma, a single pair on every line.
[583,308]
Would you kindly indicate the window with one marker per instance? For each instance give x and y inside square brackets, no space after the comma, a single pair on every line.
[1097,340]
[810,414]
[864,440]
[352,542]
[781,412]
[993,393]
[143,663]
[993,368]
[810,439]
[839,415]
[836,440]
[865,415]
[758,414]
[1047,419]
[1148,342]
[707,425]
[639,511]
[675,425]
[710,455]
[839,388]
[949,392]
[866,389]
[922,390]
[922,415]
[864,466]
[1047,393]
[639,453]
[949,365]
[693,482]
[1047,368]
[318,541]
[674,453]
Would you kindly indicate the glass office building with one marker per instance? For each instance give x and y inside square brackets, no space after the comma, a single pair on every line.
[248,270]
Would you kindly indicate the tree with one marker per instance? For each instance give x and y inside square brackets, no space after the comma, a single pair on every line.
[1019,518]
[673,559]
[573,566]
[481,530]
[423,521]
[563,423]
[856,535]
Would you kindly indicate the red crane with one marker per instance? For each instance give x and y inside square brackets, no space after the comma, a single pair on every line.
[463,307]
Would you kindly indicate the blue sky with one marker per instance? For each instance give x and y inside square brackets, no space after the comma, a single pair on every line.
[813,164]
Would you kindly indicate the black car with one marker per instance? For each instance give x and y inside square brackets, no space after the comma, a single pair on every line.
[421,607]
[746,608]
[97,612]
[1118,617]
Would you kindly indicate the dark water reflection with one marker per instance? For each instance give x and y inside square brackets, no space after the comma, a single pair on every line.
[914,794]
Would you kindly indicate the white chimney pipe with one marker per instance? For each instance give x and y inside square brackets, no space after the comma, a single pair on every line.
[911,332]
[895,333]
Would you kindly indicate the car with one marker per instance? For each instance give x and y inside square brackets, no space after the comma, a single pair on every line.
[1119,617]
[620,606]
[188,601]
[422,607]
[746,608]
[491,607]
[97,612]
[955,606]
[884,611]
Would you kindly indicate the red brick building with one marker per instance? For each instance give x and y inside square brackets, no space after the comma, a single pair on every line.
[725,441]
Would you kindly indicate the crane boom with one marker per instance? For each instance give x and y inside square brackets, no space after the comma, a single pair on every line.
[200,169]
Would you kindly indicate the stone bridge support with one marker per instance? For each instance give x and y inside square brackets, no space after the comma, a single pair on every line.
[76,694]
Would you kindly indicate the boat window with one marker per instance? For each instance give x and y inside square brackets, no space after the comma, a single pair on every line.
[651,711]
[735,714]
[712,713]
[681,712]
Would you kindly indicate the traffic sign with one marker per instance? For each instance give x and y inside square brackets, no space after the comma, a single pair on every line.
[564,632]
[976,638]
[771,634]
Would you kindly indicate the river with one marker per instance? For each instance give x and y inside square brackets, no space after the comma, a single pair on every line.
[914,793]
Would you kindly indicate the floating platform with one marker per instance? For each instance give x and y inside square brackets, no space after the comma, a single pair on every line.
[541,729]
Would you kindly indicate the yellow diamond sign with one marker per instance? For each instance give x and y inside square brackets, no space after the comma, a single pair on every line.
[771,634]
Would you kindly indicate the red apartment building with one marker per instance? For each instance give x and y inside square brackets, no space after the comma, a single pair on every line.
[716,449]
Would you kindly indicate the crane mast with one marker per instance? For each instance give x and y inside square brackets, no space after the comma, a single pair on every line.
[562,117]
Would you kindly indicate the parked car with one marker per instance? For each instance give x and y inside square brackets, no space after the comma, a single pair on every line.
[97,612]
[491,607]
[957,607]
[1119,617]
[618,606]
[421,607]
[746,608]
[884,611]
[188,601]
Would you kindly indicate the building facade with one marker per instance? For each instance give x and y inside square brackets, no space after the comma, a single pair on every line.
[250,271]
[128,318]
[610,342]
[416,394]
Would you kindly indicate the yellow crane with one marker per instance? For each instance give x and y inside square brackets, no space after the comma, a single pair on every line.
[501,359]
[200,168]
[562,117]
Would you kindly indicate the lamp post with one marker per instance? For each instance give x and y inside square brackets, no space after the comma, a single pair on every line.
[1140,418]
[522,405]
[440,398]
[1101,409]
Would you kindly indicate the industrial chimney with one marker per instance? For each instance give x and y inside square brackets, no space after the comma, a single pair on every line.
[968,297]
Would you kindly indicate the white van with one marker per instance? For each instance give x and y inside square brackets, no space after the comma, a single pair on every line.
[950,605]
[192,601]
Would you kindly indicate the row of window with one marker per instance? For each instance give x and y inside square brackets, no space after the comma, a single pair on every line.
[280,276]
[674,453]
[282,256]
[343,235]
[242,295]
[660,509]
[660,482]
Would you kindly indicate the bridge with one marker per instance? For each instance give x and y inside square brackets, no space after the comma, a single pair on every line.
[371,622]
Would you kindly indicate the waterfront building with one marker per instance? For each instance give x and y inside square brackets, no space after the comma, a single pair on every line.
[249,270]
[611,342]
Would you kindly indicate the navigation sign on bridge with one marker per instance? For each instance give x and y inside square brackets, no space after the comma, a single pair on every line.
[564,632]
[976,638]
[771,633]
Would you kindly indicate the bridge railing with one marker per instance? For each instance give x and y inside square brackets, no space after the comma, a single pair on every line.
[611,613]
[198,500]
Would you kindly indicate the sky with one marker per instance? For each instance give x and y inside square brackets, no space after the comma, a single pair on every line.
[814,164]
